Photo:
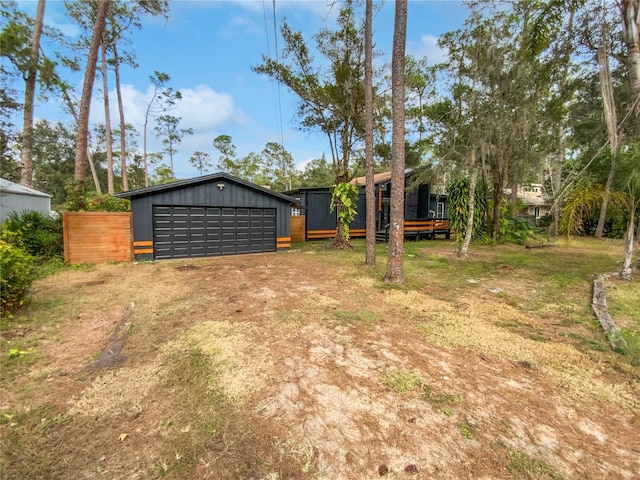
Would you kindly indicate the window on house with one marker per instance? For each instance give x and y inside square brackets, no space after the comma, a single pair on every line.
[440,208]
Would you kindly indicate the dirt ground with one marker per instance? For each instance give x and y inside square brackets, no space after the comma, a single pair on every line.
[292,365]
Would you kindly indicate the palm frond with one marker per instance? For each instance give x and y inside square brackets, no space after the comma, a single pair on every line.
[580,204]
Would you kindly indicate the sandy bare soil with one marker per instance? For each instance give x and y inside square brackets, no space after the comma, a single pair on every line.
[291,366]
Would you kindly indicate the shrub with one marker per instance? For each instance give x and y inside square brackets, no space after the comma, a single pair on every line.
[16,276]
[38,234]
[106,203]
[517,230]
[458,197]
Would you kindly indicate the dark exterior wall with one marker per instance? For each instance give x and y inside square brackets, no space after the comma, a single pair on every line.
[423,201]
[318,210]
[318,214]
[360,221]
[418,204]
[411,205]
[204,195]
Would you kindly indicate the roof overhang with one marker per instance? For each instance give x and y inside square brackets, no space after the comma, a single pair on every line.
[212,178]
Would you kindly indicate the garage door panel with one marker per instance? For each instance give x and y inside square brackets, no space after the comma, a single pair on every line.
[183,231]
[256,247]
[179,223]
[162,210]
[175,211]
[228,249]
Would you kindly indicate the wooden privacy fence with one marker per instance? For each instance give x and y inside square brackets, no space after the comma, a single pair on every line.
[97,237]
[297,228]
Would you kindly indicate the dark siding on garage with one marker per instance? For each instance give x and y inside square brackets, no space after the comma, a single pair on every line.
[191,199]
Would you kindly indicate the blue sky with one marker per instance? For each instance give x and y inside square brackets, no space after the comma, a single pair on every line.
[208,48]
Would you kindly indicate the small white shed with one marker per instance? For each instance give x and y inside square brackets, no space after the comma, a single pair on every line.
[16,198]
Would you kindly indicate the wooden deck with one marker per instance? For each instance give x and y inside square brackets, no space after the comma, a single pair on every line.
[419,229]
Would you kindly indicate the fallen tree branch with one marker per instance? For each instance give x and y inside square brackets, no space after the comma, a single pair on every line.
[541,245]
[112,353]
[599,305]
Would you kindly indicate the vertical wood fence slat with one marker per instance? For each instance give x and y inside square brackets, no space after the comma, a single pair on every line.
[297,228]
[97,237]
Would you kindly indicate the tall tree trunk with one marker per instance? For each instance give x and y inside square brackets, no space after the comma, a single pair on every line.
[123,125]
[72,109]
[26,174]
[340,241]
[94,173]
[631,35]
[370,192]
[107,121]
[498,181]
[611,121]
[554,170]
[82,139]
[514,196]
[625,272]
[145,163]
[468,234]
[394,272]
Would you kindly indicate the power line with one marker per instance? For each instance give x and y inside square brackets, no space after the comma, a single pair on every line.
[275,36]
[266,28]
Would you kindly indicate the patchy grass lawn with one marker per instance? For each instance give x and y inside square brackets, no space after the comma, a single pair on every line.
[306,365]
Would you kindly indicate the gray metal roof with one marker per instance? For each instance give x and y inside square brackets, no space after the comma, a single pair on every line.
[214,177]
[8,186]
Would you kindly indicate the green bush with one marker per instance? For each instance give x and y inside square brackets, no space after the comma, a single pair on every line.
[16,276]
[458,198]
[106,203]
[37,234]
[517,230]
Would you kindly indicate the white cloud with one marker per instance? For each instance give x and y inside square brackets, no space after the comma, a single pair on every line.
[201,108]
[427,47]
[206,109]
[207,112]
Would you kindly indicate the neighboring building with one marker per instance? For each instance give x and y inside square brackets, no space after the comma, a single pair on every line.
[16,198]
[211,215]
[534,204]
[321,222]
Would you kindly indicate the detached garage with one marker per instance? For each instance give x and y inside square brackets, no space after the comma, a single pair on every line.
[207,216]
